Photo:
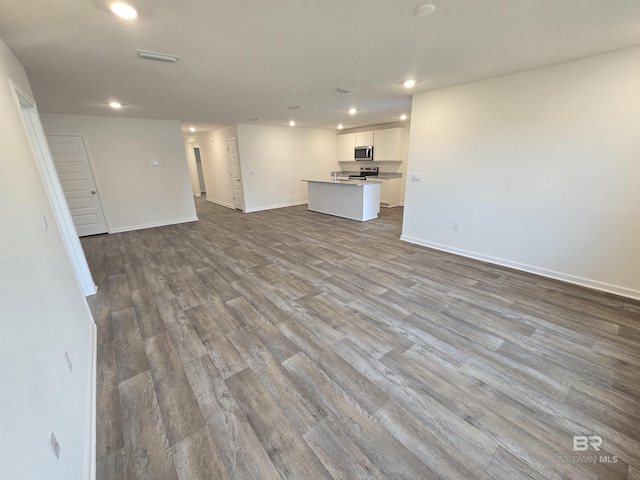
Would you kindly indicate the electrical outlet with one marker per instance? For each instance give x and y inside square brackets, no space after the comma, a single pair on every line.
[416,177]
[68,359]
[456,226]
[54,445]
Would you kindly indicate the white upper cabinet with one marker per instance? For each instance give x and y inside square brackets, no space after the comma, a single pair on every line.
[346,144]
[387,144]
[364,139]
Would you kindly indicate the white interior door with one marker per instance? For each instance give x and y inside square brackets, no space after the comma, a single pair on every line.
[234,169]
[78,183]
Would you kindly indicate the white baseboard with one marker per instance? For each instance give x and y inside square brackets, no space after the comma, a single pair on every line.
[280,205]
[153,225]
[565,277]
[218,202]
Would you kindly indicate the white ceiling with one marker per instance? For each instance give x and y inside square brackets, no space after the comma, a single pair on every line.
[248,59]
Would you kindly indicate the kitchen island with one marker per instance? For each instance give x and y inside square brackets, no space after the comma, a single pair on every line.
[353,199]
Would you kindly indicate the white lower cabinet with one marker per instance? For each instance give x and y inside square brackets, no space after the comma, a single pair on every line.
[354,200]
[390,191]
[384,193]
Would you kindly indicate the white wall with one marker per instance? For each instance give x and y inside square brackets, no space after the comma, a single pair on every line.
[541,169]
[134,193]
[43,313]
[274,160]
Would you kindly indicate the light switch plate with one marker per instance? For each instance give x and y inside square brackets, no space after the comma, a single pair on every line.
[416,177]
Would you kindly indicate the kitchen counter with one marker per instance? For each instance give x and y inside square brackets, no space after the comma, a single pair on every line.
[353,199]
[357,183]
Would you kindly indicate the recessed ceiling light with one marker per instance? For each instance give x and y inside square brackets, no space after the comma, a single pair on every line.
[292,123]
[115,105]
[410,83]
[192,129]
[352,111]
[340,127]
[403,117]
[425,10]
[124,11]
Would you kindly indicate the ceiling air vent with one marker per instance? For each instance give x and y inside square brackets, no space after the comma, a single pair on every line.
[293,107]
[346,90]
[158,57]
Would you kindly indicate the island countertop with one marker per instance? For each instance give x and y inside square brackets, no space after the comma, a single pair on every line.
[354,183]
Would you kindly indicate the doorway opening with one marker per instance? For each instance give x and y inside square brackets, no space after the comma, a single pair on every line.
[196,152]
[234,170]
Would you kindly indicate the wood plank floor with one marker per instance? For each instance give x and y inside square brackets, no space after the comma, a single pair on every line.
[291,344]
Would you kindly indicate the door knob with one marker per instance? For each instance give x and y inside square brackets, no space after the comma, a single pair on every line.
[93,192]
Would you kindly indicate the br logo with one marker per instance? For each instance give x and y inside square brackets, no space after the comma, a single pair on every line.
[582,443]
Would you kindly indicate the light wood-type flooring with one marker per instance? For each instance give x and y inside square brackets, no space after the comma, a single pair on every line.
[291,344]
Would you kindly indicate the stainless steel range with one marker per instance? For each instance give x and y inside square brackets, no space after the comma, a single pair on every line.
[364,173]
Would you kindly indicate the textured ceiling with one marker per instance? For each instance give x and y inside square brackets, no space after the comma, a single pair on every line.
[247,59]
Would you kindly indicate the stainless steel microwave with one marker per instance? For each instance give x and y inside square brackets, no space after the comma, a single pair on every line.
[363,153]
